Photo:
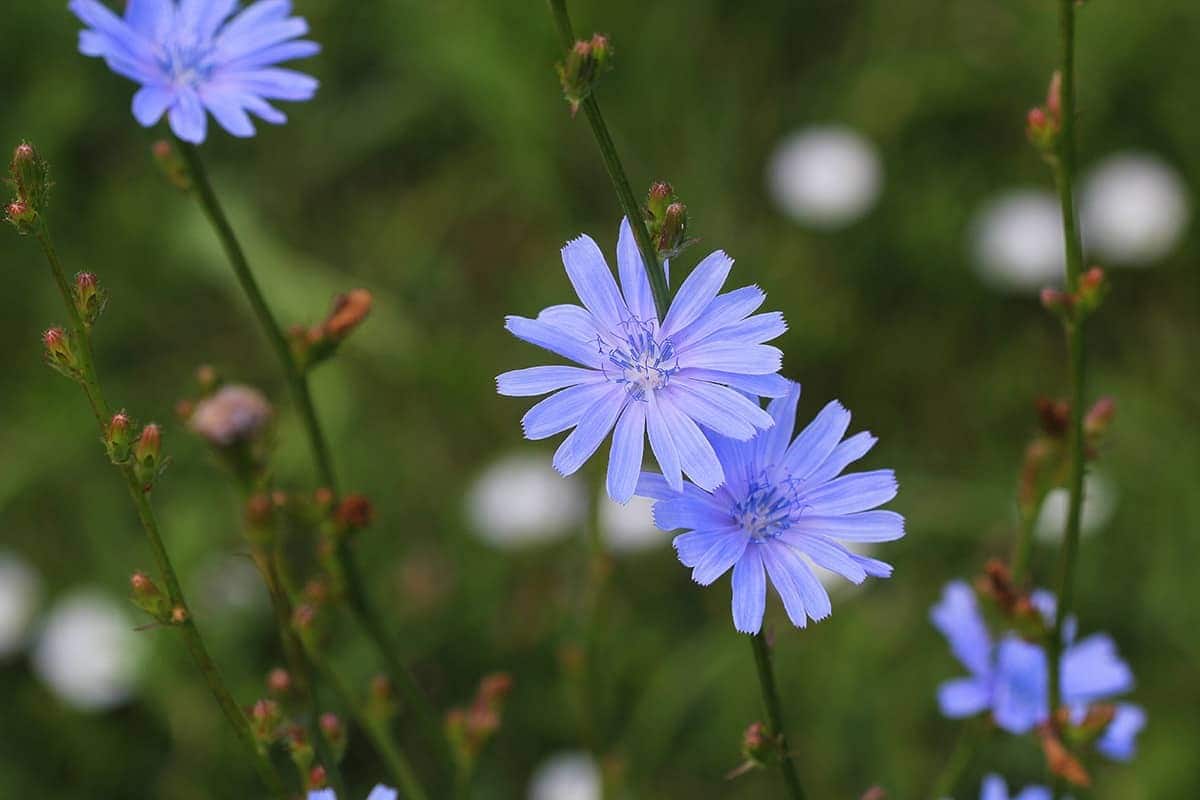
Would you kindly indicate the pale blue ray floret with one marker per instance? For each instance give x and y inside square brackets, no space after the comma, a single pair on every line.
[676,380]
[1009,676]
[380,792]
[783,505]
[994,788]
[196,57]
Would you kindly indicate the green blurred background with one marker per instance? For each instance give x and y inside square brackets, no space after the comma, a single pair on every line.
[439,167]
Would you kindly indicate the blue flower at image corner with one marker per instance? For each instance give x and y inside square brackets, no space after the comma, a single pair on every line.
[380,792]
[994,788]
[670,379]
[196,57]
[1009,677]
[783,504]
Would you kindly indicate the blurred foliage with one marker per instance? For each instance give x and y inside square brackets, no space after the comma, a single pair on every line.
[438,167]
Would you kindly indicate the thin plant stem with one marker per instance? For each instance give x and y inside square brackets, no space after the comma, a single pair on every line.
[1023,552]
[1064,173]
[356,595]
[183,620]
[969,737]
[766,678]
[616,173]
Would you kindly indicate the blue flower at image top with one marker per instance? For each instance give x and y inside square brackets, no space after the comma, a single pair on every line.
[1009,677]
[380,792]
[994,788]
[783,504]
[198,57]
[673,380]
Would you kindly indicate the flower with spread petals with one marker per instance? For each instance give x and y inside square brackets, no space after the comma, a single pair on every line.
[672,379]
[199,57]
[994,788]
[1009,676]
[380,792]
[783,505]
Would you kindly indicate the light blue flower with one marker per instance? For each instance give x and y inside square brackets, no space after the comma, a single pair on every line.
[380,792]
[994,788]
[194,57]
[1009,677]
[782,506]
[674,380]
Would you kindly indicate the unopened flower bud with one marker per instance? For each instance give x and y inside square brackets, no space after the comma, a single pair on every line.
[323,498]
[1057,301]
[1093,286]
[874,793]
[208,380]
[1044,123]
[306,622]
[1054,415]
[299,748]
[88,297]
[381,698]
[658,198]
[757,743]
[279,682]
[581,69]
[59,353]
[147,455]
[354,513]
[171,165]
[259,515]
[21,216]
[1099,417]
[1059,758]
[179,615]
[666,220]
[31,178]
[231,416]
[349,310]
[317,778]
[149,598]
[334,731]
[673,233]
[265,717]
[117,437]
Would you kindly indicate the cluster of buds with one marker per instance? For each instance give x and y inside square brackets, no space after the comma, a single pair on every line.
[1075,305]
[60,352]
[1012,601]
[89,298]
[266,721]
[1046,463]
[667,221]
[470,728]
[29,176]
[171,165]
[580,71]
[759,749]
[1044,123]
[311,346]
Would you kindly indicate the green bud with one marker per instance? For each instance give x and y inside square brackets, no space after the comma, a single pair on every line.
[88,297]
[60,354]
[582,68]
[149,598]
[30,176]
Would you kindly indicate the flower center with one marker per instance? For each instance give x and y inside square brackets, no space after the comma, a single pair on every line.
[768,509]
[187,59]
[639,361]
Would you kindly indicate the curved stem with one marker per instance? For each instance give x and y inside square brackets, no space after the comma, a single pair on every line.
[947,779]
[1064,174]
[145,513]
[616,173]
[766,678]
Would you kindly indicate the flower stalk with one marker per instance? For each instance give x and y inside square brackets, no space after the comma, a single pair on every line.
[616,173]
[181,617]
[766,679]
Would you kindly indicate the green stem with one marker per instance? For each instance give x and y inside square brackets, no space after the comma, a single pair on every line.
[968,740]
[612,163]
[358,600]
[377,731]
[1064,174]
[766,678]
[141,502]
[1023,552]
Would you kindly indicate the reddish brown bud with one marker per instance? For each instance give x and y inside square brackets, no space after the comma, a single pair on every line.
[179,615]
[279,682]
[354,512]
[349,310]
[260,511]
[147,453]
[265,718]
[494,688]
[1056,300]
[1099,417]
[334,731]
[1054,416]
[323,497]
[317,779]
[875,793]
[1060,760]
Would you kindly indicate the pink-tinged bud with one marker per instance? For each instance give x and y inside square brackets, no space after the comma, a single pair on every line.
[149,598]
[581,69]
[171,165]
[1099,417]
[317,779]
[323,498]
[1054,96]
[19,213]
[31,177]
[334,731]
[494,688]
[279,682]
[89,299]
[1092,289]
[355,512]
[1057,301]
[349,310]
[207,378]
[149,445]
[59,353]
[118,435]
[233,415]
[265,719]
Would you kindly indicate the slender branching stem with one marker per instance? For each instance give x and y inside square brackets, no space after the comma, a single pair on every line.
[182,616]
[969,736]
[1023,552]
[766,678]
[612,163]
[356,594]
[1064,174]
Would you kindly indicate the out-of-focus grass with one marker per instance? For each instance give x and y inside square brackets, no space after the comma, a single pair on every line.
[439,168]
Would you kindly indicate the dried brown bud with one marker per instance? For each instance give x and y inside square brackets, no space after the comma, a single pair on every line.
[349,310]
[1060,760]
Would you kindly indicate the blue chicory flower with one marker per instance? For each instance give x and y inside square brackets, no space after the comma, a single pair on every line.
[380,792]
[994,788]
[192,58]
[1009,677]
[672,379]
[782,501]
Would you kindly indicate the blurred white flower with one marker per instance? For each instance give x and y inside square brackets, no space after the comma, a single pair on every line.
[826,176]
[1099,503]
[567,776]
[20,591]
[520,500]
[88,652]
[1134,207]
[629,528]
[1017,240]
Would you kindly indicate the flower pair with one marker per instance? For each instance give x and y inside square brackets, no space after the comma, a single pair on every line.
[756,501]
